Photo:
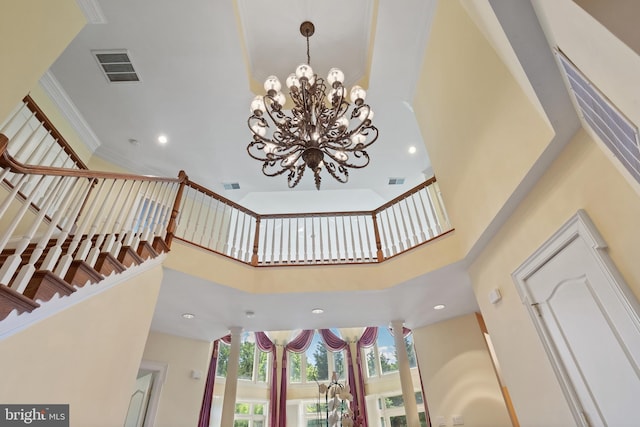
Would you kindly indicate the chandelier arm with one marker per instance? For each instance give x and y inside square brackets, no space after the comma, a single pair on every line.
[331,168]
[295,175]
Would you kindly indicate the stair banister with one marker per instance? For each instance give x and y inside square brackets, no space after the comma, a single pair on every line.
[171,227]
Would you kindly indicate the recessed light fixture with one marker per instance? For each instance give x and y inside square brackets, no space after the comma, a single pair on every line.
[162,139]
[439,307]
[317,311]
[412,149]
[188,315]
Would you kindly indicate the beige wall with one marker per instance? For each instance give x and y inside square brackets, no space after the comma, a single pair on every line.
[181,396]
[458,375]
[481,130]
[581,178]
[84,356]
[33,33]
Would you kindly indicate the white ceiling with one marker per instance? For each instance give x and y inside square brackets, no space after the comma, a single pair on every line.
[196,60]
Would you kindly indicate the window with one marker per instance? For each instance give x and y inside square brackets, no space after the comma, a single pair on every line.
[317,363]
[250,414]
[253,364]
[392,413]
[382,357]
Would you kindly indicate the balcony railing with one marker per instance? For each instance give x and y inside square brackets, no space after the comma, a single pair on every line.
[42,170]
[215,223]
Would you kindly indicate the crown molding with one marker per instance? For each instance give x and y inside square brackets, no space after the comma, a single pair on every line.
[92,11]
[60,98]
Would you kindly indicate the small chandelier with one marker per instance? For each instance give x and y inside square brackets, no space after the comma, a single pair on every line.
[321,130]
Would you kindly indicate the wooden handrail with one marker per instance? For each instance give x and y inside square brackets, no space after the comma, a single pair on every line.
[8,161]
[405,195]
[48,125]
[223,199]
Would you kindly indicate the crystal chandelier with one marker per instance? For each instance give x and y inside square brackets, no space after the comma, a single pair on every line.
[322,129]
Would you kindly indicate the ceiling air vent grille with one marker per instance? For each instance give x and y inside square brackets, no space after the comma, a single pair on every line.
[231,185]
[396,181]
[116,66]
[616,131]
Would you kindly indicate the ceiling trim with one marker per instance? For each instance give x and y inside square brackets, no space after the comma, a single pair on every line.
[92,11]
[59,96]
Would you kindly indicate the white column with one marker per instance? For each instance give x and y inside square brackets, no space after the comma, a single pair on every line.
[231,383]
[408,394]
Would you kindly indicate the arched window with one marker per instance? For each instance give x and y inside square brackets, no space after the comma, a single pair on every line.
[317,363]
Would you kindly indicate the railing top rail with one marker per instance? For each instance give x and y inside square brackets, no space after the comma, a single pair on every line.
[48,125]
[405,194]
[7,160]
[223,199]
[315,214]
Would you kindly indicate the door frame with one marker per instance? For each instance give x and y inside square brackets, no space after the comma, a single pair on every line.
[160,370]
[579,226]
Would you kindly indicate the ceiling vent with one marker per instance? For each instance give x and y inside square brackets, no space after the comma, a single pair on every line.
[231,185]
[116,66]
[396,181]
[616,131]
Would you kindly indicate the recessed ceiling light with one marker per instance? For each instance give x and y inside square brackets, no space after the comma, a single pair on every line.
[162,139]
[412,149]
[439,307]
[317,311]
[188,315]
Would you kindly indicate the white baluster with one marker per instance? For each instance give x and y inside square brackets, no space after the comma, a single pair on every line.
[206,221]
[135,221]
[371,250]
[413,229]
[26,271]
[235,234]
[438,226]
[329,240]
[67,259]
[106,237]
[14,116]
[212,234]
[423,237]
[66,224]
[87,244]
[12,263]
[165,213]
[426,213]
[393,250]
[120,227]
[436,188]
[197,225]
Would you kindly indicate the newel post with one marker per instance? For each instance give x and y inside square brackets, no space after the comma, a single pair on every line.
[256,241]
[376,232]
[171,227]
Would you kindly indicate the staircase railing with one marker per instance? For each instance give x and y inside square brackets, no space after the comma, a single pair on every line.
[215,223]
[88,224]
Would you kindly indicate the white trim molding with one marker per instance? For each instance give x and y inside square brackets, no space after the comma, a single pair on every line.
[160,368]
[92,11]
[59,96]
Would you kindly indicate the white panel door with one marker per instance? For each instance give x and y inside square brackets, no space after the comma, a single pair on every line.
[590,328]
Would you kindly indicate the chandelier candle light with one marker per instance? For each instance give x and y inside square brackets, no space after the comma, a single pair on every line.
[322,128]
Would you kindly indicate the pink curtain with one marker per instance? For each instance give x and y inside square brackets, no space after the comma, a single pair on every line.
[299,344]
[207,398]
[335,343]
[265,344]
[367,339]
